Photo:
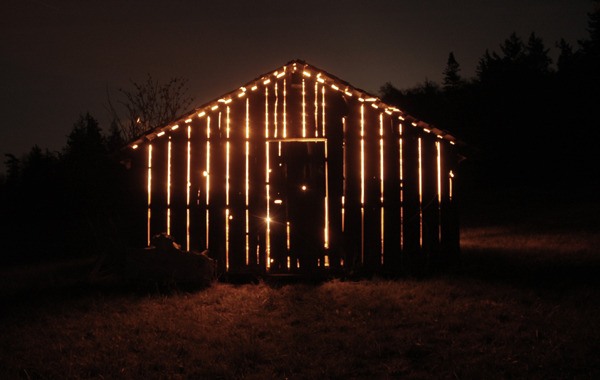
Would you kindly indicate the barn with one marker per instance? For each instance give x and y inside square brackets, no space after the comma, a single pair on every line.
[297,171]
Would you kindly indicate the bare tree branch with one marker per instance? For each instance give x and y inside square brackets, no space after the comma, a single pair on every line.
[149,105]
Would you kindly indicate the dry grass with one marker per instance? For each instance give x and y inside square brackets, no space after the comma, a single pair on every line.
[524,304]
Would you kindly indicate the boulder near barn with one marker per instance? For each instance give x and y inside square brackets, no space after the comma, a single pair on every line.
[297,171]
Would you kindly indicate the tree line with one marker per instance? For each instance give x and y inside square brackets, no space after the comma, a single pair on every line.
[526,120]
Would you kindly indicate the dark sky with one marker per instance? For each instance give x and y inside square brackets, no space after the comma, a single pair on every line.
[58,58]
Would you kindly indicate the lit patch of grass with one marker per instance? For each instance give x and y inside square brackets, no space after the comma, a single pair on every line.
[442,327]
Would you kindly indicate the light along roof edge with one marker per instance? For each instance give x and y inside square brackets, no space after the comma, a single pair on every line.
[308,70]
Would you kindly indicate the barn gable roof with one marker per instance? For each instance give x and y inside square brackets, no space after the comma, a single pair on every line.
[307,70]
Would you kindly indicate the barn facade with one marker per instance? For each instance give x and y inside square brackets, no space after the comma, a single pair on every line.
[298,171]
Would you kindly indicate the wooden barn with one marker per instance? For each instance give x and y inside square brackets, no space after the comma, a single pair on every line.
[297,171]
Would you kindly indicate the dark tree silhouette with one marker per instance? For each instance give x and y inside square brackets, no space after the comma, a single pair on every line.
[76,202]
[452,78]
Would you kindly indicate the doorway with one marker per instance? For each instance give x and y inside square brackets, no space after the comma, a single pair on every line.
[297,204]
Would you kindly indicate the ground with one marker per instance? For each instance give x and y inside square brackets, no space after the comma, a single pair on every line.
[524,303]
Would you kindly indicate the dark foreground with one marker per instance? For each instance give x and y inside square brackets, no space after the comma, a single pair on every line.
[524,304]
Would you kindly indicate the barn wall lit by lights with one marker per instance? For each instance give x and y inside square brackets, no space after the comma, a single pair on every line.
[299,171]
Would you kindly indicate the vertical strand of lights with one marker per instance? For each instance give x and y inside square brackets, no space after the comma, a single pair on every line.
[169,187]
[439,188]
[362,183]
[267,112]
[420,195]
[303,108]
[284,108]
[316,109]
[207,176]
[247,200]
[227,165]
[381,187]
[276,89]
[149,179]
[344,174]
[326,227]
[450,184]
[267,187]
[187,188]
[323,110]
[268,234]
[401,176]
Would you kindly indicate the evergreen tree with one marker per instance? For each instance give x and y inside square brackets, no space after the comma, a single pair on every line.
[537,60]
[452,77]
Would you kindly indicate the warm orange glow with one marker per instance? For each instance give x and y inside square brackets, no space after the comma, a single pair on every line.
[201,114]
[266,82]
[420,195]
[439,171]
[306,73]
[254,88]
[303,108]
[287,233]
[188,186]
[450,183]
[227,158]
[161,133]
[343,172]
[439,188]
[149,179]
[169,187]
[267,112]
[215,107]
[284,109]
[207,177]
[227,183]
[187,121]
[174,127]
[427,130]
[335,87]
[280,74]
[135,146]
[323,111]
[275,109]
[268,234]
[326,228]
[227,238]
[316,106]
[362,155]
[401,175]
[381,187]
[247,199]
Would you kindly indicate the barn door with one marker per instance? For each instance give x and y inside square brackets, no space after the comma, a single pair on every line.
[297,205]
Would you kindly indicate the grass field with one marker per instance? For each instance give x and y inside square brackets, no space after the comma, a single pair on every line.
[524,303]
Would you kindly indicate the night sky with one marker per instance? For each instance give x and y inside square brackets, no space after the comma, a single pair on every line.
[59,58]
